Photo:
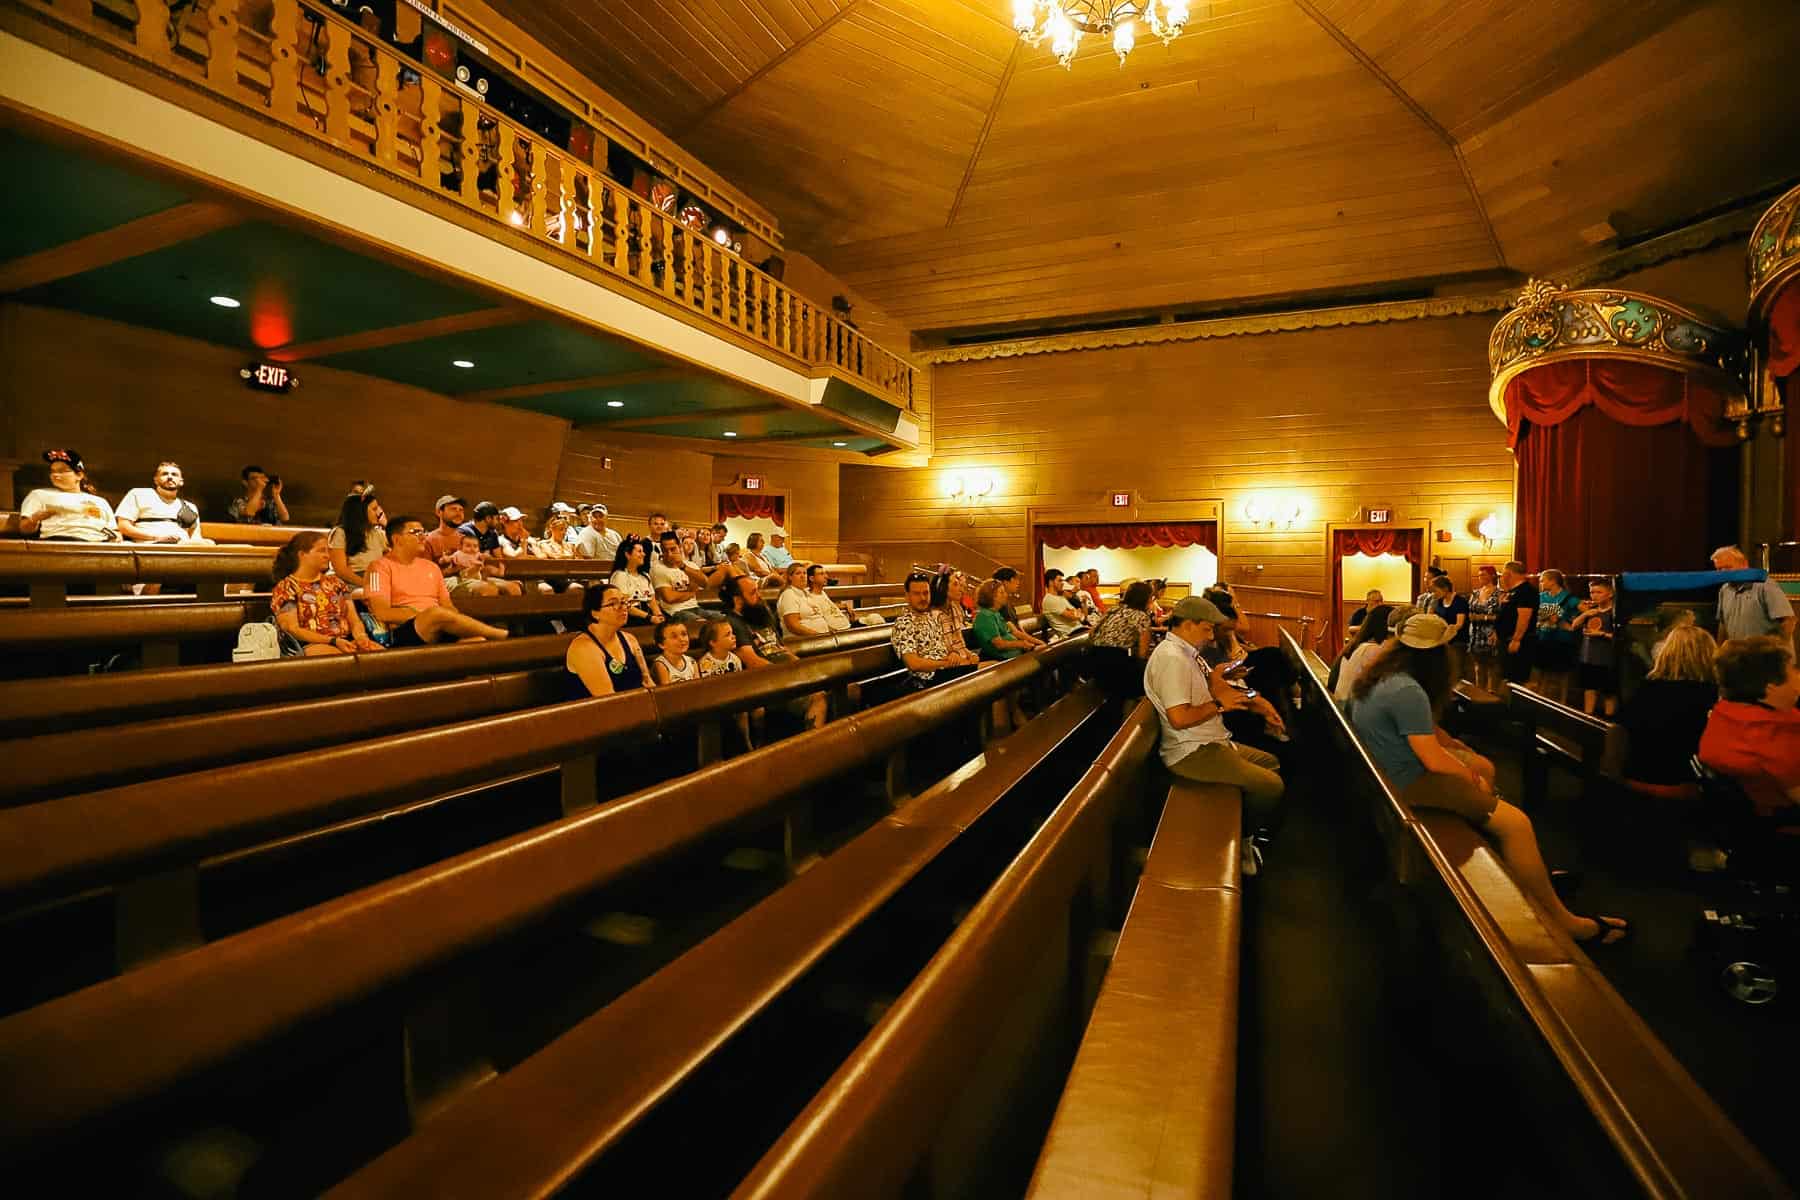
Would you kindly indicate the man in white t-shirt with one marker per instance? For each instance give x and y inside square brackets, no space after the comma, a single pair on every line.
[1061,608]
[597,541]
[675,585]
[1195,743]
[158,515]
[804,608]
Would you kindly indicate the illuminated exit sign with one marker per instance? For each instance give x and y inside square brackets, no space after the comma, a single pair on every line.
[753,483]
[1381,516]
[1121,499]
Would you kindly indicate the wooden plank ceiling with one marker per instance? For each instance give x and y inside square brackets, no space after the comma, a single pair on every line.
[1279,148]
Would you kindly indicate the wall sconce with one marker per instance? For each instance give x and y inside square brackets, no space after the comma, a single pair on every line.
[1268,512]
[1488,529]
[968,491]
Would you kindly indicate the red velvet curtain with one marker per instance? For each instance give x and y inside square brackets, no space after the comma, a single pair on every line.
[751,506]
[1408,543]
[1130,537]
[1628,393]
[1597,496]
[1784,364]
[1122,536]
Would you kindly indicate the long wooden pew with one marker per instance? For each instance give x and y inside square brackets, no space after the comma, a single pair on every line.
[1554,734]
[865,1133]
[607,1073]
[1149,1108]
[1575,1043]
[82,1055]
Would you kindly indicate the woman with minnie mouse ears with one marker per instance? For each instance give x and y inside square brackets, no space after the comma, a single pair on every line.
[69,510]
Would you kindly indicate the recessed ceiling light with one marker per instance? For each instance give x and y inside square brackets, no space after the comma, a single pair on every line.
[615,404]
[730,433]
[464,363]
[840,443]
[226,301]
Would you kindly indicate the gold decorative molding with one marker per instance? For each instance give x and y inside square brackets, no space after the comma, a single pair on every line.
[1774,253]
[1194,331]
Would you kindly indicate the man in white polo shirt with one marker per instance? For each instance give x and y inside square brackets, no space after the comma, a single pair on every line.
[1195,743]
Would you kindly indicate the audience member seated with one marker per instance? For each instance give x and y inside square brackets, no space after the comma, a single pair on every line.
[261,503]
[721,656]
[998,636]
[1753,733]
[1226,647]
[803,607]
[758,640]
[947,588]
[1596,625]
[595,540]
[1372,600]
[359,538]
[1483,642]
[442,543]
[1159,607]
[677,589]
[1394,710]
[777,555]
[630,578]
[1088,581]
[1750,609]
[753,557]
[311,605]
[659,525]
[1121,642]
[158,514]
[515,539]
[673,663]
[69,510]
[711,541]
[407,593]
[485,525]
[554,541]
[1191,704]
[1667,713]
[920,642]
[476,574]
[1371,634]
[1063,609]
[602,660]
[1556,640]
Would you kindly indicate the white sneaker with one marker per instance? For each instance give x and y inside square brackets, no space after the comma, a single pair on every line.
[1252,858]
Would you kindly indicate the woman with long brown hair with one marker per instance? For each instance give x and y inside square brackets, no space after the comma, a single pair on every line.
[311,604]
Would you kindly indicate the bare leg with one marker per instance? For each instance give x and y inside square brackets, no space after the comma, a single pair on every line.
[1590,700]
[1512,829]
[319,649]
[435,624]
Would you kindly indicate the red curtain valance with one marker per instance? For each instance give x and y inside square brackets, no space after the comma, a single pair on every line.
[750,506]
[1784,332]
[1408,543]
[1628,393]
[1130,537]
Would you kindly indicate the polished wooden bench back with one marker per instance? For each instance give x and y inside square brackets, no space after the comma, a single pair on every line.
[224,533]
[1150,1106]
[663,1031]
[1662,1135]
[867,1129]
[81,1055]
[1556,734]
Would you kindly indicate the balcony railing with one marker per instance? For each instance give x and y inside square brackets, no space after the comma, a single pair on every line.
[309,69]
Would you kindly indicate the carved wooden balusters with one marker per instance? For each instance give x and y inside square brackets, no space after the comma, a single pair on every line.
[284,60]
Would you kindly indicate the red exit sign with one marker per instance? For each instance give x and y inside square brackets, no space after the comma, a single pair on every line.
[1121,499]
[1381,516]
[753,483]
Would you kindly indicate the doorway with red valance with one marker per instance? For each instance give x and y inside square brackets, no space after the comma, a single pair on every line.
[1144,549]
[746,512]
[1360,556]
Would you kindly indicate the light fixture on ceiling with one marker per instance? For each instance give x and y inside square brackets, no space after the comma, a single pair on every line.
[731,433]
[615,404]
[226,301]
[840,443]
[1064,21]
[464,363]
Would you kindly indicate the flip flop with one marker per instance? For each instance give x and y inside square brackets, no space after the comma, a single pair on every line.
[1607,925]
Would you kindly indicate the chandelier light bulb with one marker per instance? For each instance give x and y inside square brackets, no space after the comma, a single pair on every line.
[1063,22]
[1064,37]
[1124,38]
[1024,16]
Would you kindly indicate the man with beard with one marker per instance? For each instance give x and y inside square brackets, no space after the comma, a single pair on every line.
[759,640]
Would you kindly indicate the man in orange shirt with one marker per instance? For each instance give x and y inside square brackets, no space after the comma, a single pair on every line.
[1753,734]
[407,593]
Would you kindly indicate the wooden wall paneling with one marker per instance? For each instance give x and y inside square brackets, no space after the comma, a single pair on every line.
[812,489]
[1338,418]
[126,397]
[644,477]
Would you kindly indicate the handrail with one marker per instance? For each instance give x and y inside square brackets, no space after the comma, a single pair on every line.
[496,1142]
[319,75]
[864,1131]
[1669,1135]
[75,1057]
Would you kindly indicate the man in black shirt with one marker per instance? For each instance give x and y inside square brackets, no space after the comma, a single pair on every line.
[1515,625]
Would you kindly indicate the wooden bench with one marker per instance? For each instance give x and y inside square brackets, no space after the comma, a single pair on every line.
[1149,1107]
[74,1058]
[1554,734]
[972,1013]
[644,1045]
[1573,1042]
[223,533]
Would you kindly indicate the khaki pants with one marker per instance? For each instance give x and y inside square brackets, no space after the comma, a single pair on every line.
[1249,770]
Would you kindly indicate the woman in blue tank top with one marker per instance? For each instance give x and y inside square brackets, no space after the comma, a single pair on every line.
[604,660]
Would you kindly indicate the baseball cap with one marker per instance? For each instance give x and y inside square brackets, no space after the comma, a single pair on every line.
[511,513]
[1198,608]
[1422,631]
[447,499]
[487,508]
[560,507]
[596,506]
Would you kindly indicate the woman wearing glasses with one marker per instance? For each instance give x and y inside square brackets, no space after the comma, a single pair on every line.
[604,660]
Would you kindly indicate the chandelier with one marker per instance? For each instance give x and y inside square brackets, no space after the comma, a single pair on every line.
[1064,21]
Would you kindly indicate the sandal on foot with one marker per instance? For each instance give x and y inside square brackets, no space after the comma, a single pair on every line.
[1606,925]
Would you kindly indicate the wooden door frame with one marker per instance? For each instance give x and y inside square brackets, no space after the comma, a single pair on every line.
[1145,512]
[1333,578]
[731,489]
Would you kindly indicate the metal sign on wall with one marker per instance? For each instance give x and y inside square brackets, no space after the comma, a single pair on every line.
[1381,516]
[1121,499]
